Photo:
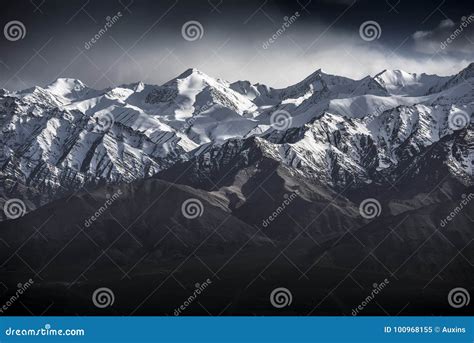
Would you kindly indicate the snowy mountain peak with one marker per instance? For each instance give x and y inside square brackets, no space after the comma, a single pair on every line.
[193,79]
[317,72]
[316,75]
[136,86]
[395,77]
[462,81]
[68,88]
[400,82]
[467,72]
[470,66]
[333,126]
[193,72]
[190,71]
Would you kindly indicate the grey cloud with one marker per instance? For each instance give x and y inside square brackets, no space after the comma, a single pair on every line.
[447,37]
[142,47]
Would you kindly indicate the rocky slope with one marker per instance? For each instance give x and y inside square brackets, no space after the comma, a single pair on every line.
[60,138]
[149,190]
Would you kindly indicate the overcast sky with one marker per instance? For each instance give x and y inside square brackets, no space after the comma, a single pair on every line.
[146,42]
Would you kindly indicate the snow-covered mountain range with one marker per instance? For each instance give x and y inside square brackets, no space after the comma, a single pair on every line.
[338,131]
[277,179]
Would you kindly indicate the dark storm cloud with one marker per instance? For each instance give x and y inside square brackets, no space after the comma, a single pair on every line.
[145,41]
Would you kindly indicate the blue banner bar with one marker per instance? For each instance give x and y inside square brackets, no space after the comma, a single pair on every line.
[237,329]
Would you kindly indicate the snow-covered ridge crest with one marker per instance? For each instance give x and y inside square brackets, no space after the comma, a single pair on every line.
[62,136]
